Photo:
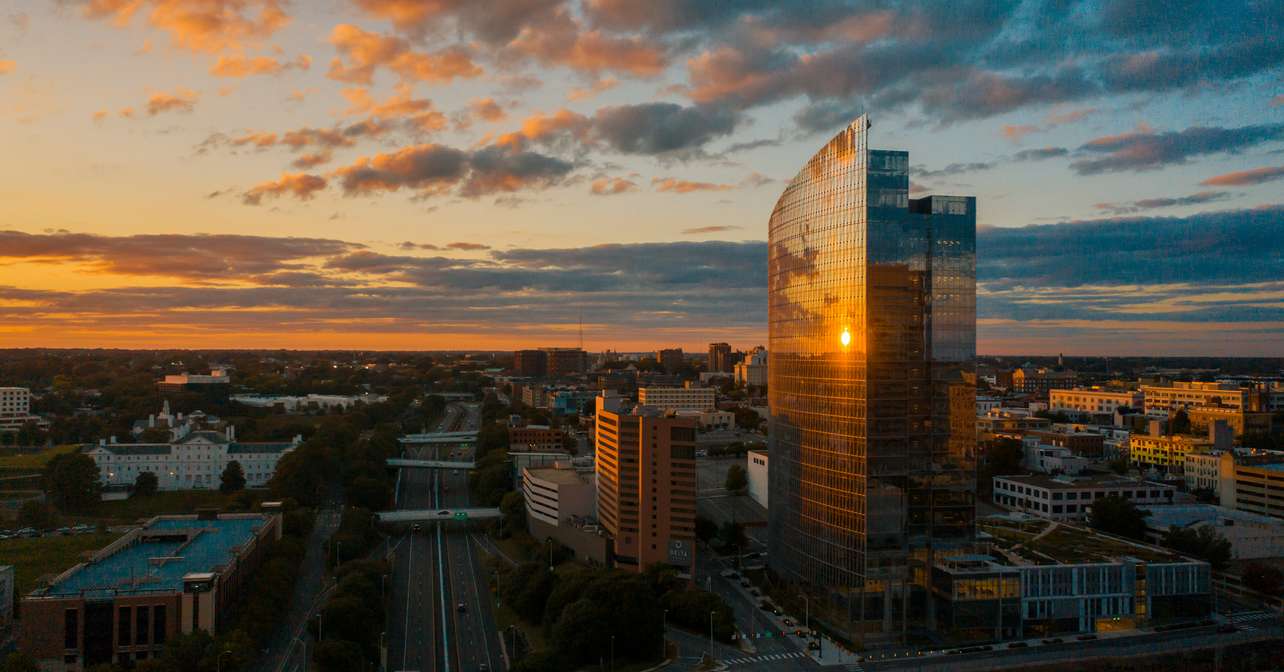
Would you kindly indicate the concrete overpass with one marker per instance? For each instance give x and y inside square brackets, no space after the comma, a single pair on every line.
[439,438]
[400,462]
[438,515]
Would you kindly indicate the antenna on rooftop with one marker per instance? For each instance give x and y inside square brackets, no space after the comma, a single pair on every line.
[581,329]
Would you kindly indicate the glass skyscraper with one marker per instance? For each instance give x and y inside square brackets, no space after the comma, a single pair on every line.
[872,386]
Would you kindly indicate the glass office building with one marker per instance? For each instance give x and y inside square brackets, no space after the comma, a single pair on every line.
[872,320]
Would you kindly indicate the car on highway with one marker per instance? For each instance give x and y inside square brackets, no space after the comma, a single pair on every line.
[462,607]
[813,646]
[744,583]
[444,512]
[416,527]
[1017,645]
[1054,640]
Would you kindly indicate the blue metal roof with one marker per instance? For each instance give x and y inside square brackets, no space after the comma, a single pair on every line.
[156,562]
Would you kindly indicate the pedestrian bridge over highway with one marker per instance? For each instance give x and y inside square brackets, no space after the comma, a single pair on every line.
[437,515]
[400,462]
[438,438]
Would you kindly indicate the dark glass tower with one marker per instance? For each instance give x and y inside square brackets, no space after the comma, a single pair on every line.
[872,320]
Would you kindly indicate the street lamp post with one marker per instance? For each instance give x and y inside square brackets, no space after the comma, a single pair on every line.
[218,663]
[664,629]
[711,634]
[807,604]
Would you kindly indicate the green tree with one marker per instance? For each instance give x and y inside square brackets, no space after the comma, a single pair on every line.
[1263,578]
[737,480]
[1004,457]
[35,513]
[1201,542]
[1179,423]
[232,479]
[146,484]
[691,609]
[71,479]
[731,536]
[747,418]
[705,529]
[336,655]
[20,662]
[368,492]
[1118,516]
[527,588]
[513,508]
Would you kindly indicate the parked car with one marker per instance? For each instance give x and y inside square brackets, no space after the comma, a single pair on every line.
[1054,640]
[1017,645]
[1086,638]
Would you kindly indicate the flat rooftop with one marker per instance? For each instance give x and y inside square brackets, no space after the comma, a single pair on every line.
[157,557]
[1080,482]
[558,476]
[1026,540]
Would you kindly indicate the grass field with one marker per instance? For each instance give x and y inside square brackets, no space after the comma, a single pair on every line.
[33,558]
[35,461]
[183,501]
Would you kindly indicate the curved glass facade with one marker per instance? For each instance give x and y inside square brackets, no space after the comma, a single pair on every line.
[872,327]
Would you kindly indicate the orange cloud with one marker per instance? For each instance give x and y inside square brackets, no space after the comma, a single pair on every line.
[365,52]
[539,127]
[487,109]
[312,160]
[1016,132]
[610,186]
[240,66]
[1246,177]
[199,25]
[562,41]
[259,140]
[182,100]
[7,67]
[676,186]
[419,113]
[300,185]
[603,84]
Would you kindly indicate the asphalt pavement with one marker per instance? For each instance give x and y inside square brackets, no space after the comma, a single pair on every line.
[440,616]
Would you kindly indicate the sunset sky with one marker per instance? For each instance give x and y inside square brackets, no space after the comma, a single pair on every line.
[429,174]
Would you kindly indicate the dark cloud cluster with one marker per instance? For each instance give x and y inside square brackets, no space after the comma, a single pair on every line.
[433,169]
[199,257]
[1144,204]
[1146,149]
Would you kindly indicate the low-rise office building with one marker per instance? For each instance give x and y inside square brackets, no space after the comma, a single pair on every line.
[15,408]
[1170,398]
[1240,421]
[304,404]
[752,371]
[1167,452]
[1028,580]
[1038,382]
[174,575]
[1251,535]
[537,438]
[1252,483]
[1065,498]
[1093,401]
[757,466]
[217,384]
[678,398]
[193,462]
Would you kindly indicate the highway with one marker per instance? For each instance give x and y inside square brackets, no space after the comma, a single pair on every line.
[437,569]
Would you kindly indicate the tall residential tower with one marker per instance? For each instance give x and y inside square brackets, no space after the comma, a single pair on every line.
[871,384]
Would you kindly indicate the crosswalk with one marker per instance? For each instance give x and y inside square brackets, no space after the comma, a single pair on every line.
[1244,620]
[764,658]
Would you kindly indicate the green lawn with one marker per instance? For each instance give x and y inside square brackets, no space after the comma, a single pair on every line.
[36,461]
[172,502]
[33,558]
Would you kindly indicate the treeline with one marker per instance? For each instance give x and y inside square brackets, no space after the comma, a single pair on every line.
[352,619]
[585,611]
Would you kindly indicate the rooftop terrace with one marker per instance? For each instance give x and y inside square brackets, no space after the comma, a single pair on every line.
[1037,541]
[158,556]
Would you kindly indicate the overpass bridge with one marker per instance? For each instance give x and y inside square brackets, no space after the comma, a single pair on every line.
[405,462]
[437,515]
[438,438]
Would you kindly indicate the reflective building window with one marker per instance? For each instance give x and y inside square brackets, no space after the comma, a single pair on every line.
[872,324]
